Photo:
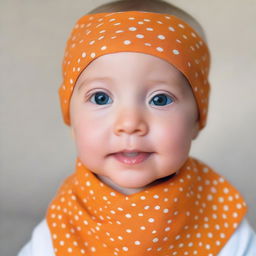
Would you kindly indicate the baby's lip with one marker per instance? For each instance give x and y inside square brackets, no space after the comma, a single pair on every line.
[131,151]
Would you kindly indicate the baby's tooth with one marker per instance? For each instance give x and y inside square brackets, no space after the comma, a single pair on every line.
[131,154]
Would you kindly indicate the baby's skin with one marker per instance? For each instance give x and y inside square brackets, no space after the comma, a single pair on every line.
[136,102]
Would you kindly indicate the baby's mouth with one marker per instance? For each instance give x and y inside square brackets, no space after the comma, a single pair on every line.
[131,158]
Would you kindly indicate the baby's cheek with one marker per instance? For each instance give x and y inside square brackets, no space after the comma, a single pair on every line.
[86,139]
[175,140]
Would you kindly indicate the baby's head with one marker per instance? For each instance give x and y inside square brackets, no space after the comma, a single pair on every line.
[135,81]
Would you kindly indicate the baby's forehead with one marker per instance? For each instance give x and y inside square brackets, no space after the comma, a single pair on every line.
[131,67]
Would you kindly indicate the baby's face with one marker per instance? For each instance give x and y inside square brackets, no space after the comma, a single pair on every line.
[132,101]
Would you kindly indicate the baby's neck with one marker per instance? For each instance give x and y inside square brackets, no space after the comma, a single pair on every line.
[129,191]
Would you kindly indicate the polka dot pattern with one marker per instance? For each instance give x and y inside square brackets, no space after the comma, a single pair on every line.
[161,35]
[88,217]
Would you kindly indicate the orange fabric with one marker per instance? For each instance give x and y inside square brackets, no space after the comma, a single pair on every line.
[161,35]
[193,213]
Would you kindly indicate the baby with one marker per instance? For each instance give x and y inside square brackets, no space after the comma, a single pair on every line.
[135,93]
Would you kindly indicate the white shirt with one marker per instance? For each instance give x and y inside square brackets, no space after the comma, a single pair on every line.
[241,243]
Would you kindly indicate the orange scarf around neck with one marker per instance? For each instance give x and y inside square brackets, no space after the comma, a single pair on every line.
[195,212]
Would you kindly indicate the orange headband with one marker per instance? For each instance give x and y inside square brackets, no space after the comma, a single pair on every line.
[161,35]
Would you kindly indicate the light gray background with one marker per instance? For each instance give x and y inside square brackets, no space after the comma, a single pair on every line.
[36,148]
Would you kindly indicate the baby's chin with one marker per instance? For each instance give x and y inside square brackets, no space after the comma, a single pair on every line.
[129,182]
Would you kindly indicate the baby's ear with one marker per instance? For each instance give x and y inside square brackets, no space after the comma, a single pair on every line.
[196,131]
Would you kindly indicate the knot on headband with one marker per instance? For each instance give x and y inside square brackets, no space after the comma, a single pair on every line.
[161,35]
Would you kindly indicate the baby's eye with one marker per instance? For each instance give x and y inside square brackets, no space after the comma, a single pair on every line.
[101,98]
[162,99]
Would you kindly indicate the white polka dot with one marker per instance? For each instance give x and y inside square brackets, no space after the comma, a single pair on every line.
[221,179]
[137,242]
[149,29]
[207,246]
[140,36]
[235,215]
[157,207]
[238,206]
[125,249]
[151,220]
[160,49]
[177,237]
[84,54]
[142,197]
[176,52]
[132,29]
[161,37]
[222,235]
[225,208]
[221,199]
[155,240]
[171,28]
[181,26]
[198,235]
[210,235]
[127,42]
[103,47]
[93,54]
[209,197]
[226,190]
[142,228]
[128,215]
[193,34]
[128,230]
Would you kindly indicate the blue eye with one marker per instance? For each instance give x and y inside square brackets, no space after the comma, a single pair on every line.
[162,99]
[101,98]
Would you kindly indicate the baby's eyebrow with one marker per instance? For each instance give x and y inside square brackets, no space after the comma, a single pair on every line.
[93,79]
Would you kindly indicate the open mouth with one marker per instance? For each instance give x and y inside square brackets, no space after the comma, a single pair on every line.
[131,158]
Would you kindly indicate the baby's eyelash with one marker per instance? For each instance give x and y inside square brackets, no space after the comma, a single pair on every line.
[161,97]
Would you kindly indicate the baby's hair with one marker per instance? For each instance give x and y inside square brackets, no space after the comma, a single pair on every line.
[158,6]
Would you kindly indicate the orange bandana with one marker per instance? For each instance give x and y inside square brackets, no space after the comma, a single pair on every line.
[193,213]
[161,35]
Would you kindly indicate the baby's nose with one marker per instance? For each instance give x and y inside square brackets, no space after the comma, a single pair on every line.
[131,122]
